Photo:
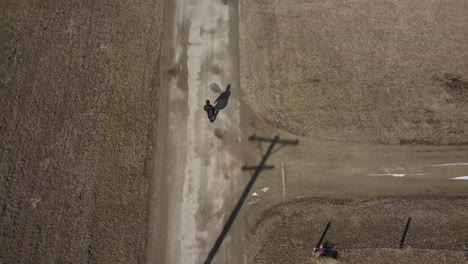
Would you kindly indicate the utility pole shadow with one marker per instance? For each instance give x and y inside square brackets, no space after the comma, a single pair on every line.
[261,166]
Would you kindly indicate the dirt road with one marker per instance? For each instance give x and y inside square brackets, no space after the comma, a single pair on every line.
[198,170]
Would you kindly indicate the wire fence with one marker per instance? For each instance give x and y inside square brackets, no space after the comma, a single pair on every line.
[455,248]
[402,245]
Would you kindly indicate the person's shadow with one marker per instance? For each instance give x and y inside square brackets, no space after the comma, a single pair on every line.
[223,99]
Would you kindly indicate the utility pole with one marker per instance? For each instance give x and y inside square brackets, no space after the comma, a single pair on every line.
[402,242]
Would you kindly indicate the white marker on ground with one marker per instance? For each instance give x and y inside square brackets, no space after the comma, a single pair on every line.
[253,202]
[387,174]
[460,178]
[265,189]
[284,185]
[254,194]
[396,174]
[450,164]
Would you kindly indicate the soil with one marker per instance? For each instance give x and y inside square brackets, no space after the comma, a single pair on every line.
[79,95]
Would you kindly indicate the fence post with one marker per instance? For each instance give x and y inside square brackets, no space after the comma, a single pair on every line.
[404,233]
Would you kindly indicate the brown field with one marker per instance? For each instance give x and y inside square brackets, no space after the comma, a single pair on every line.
[78,91]
[391,72]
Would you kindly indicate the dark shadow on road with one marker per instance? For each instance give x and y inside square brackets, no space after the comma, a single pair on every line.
[223,99]
[261,166]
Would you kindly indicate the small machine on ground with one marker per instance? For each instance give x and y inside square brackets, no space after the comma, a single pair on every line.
[327,249]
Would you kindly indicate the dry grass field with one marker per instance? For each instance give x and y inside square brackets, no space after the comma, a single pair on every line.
[391,72]
[78,92]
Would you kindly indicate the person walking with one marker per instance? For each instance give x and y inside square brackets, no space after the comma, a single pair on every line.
[210,110]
